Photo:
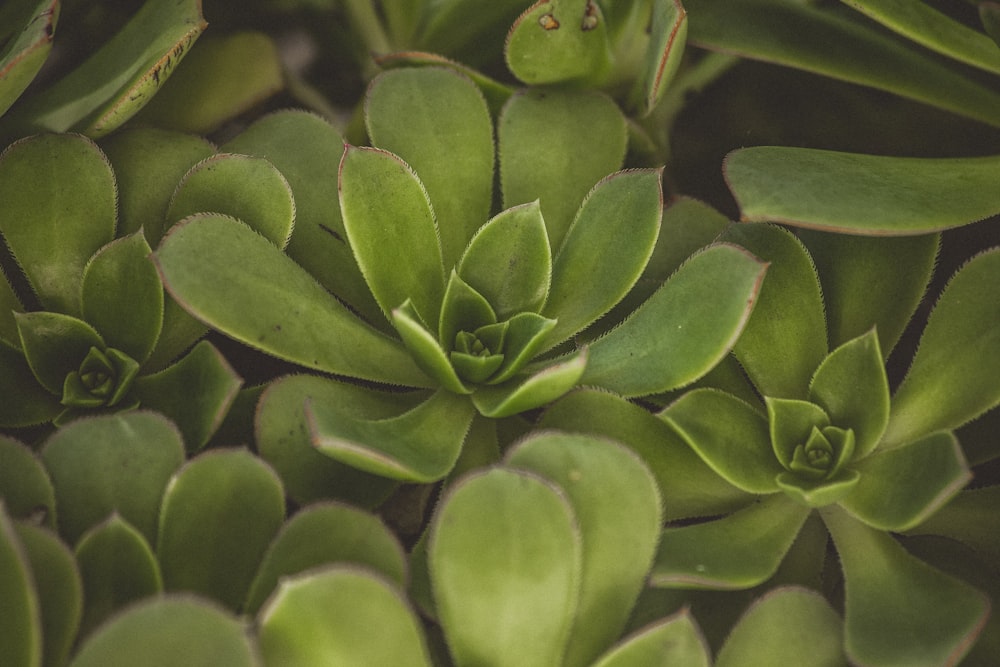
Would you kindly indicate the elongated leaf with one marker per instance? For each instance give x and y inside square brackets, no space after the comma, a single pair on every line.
[86,461]
[605,249]
[531,390]
[970,518]
[419,445]
[392,231]
[239,283]
[842,47]
[10,303]
[862,194]
[166,631]
[511,538]
[437,121]
[954,377]
[427,352]
[617,504]
[21,622]
[121,77]
[740,550]
[59,209]
[28,27]
[785,339]
[675,640]
[898,609]
[684,329]
[341,616]
[668,34]
[554,146]
[25,487]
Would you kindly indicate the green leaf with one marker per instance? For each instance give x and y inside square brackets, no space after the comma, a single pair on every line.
[787,626]
[676,640]
[166,631]
[989,14]
[953,378]
[970,517]
[509,261]
[236,281]
[21,622]
[55,345]
[862,194]
[118,567]
[473,35]
[195,392]
[790,423]
[222,77]
[26,402]
[437,121]
[524,337]
[392,231]
[785,339]
[463,309]
[871,281]
[512,539]
[328,533]
[248,188]
[149,163]
[617,504]
[668,34]
[427,352]
[934,30]
[340,616]
[86,461]
[605,249]
[10,303]
[121,77]
[59,209]
[837,45]
[738,551]
[901,487]
[26,35]
[120,279]
[688,486]
[899,610]
[818,493]
[729,436]
[684,329]
[219,514]
[421,444]
[559,41]
[533,389]
[554,145]
[25,488]
[60,591]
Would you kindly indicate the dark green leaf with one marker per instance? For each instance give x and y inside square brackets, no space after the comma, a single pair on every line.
[26,402]
[21,622]
[26,31]
[55,345]
[25,487]
[791,422]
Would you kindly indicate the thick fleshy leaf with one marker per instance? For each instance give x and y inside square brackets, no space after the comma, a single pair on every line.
[785,339]
[787,626]
[554,145]
[283,438]
[617,505]
[675,640]
[688,486]
[899,610]
[195,393]
[463,309]
[60,592]
[954,375]
[532,390]
[25,487]
[392,231]
[738,551]
[328,533]
[790,423]
[427,352]
[729,435]
[165,631]
[667,37]
[475,37]
[21,622]
[59,209]
[684,329]
[862,194]
[559,41]
[10,303]
[27,32]
[852,387]
[220,512]
[605,249]
[437,121]
[236,281]
[118,567]
[421,444]
[26,402]
[901,487]
[970,517]
[934,30]
[248,188]
[818,493]
[871,281]
[118,279]
[86,460]
[340,616]
[838,45]
[224,76]
[524,337]
[509,262]
[512,538]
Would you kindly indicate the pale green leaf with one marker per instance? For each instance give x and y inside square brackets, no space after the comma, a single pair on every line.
[532,389]
[676,640]
[668,34]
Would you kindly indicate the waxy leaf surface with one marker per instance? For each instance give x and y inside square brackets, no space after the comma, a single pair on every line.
[674,640]
[533,389]
[25,487]
[20,624]
[667,37]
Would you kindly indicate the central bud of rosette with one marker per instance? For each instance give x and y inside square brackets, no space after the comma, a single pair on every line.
[102,380]
[824,454]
